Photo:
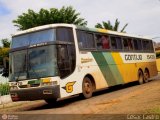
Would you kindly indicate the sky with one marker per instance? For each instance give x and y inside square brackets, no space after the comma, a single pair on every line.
[142,16]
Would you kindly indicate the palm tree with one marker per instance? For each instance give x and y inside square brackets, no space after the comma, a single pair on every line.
[109,26]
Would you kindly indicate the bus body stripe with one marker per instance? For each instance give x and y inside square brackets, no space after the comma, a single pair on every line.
[103,65]
[108,68]
[120,66]
[113,67]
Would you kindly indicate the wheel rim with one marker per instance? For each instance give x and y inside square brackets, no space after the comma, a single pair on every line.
[146,76]
[87,87]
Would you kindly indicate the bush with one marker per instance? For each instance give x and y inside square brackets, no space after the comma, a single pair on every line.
[158,55]
[4,89]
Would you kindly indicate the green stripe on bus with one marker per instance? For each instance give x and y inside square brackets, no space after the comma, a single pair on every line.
[113,68]
[103,65]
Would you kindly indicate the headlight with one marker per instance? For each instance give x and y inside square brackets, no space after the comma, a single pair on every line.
[49,83]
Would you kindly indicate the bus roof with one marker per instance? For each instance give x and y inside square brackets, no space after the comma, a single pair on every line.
[43,27]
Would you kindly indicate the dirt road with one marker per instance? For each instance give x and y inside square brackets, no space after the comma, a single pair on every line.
[127,99]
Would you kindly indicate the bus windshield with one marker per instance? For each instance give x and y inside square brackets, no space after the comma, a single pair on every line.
[34,55]
[34,63]
[33,38]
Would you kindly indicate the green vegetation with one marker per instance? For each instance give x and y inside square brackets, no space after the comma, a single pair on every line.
[43,17]
[4,89]
[155,110]
[158,55]
[4,55]
[109,26]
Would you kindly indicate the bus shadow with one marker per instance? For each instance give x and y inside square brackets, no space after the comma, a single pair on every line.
[66,102]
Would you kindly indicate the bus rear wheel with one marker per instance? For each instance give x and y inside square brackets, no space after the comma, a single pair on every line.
[87,88]
[146,76]
[140,77]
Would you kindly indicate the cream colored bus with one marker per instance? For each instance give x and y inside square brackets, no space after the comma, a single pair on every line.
[55,61]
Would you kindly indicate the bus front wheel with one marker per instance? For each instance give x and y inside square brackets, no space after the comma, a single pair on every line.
[87,88]
[140,77]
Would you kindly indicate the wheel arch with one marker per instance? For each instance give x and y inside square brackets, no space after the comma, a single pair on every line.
[92,80]
[140,69]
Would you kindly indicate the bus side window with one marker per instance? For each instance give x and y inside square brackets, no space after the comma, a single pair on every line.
[137,44]
[130,45]
[125,44]
[102,41]
[116,42]
[113,43]
[65,34]
[105,42]
[90,40]
[146,45]
[151,46]
[98,41]
[81,39]
[63,61]
[119,43]
[85,40]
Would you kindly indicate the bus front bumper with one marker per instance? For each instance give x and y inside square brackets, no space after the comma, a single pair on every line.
[39,93]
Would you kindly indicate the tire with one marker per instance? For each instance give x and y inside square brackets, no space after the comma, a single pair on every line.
[140,77]
[51,101]
[87,88]
[146,76]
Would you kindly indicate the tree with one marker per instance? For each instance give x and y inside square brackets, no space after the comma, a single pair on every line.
[4,55]
[43,17]
[5,43]
[109,26]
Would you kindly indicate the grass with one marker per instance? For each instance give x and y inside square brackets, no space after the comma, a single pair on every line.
[155,110]
[4,89]
[157,55]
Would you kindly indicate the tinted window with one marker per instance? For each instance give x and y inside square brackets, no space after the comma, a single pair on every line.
[33,38]
[137,44]
[116,42]
[85,40]
[151,45]
[146,45]
[127,44]
[102,41]
[119,43]
[65,34]
[66,60]
[90,40]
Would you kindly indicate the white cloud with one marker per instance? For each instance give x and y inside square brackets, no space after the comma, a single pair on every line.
[143,16]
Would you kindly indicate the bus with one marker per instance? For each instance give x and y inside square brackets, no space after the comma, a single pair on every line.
[157,50]
[57,61]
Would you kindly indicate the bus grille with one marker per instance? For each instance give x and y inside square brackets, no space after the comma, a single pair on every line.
[29,85]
